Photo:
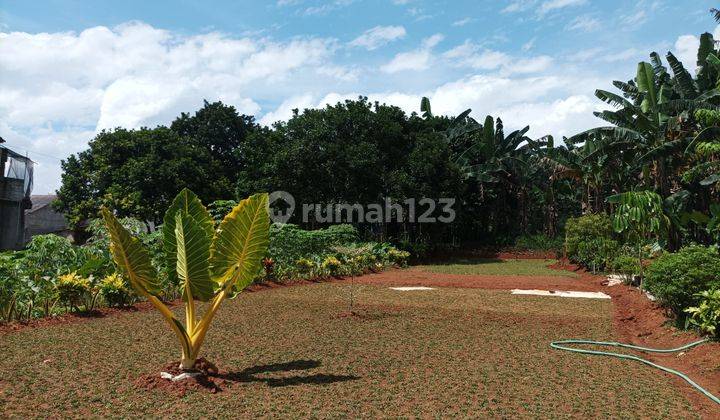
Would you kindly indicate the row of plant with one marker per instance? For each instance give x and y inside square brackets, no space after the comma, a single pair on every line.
[632,244]
[52,276]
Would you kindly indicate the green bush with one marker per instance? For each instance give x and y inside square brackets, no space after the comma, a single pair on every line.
[115,290]
[706,315]
[677,279]
[72,290]
[332,265]
[289,242]
[587,235]
[596,253]
[398,257]
[626,265]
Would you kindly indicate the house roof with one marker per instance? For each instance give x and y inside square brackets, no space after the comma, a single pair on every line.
[41,201]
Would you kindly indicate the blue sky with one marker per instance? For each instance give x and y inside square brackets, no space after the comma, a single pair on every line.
[72,68]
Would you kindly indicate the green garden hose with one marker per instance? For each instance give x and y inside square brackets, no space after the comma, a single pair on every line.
[560,346]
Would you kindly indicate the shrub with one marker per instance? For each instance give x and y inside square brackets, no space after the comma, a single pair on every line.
[332,265]
[584,228]
[115,290]
[288,242]
[398,257]
[596,253]
[677,279]
[72,289]
[625,265]
[706,315]
[305,265]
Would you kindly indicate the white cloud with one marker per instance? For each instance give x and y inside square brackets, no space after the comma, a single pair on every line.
[551,5]
[414,60]
[378,36]
[584,23]
[561,105]
[529,45]
[518,6]
[473,56]
[60,88]
[433,40]
[328,7]
[686,50]
[462,22]
[636,18]
[284,110]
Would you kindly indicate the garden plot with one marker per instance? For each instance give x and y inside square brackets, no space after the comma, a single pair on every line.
[285,352]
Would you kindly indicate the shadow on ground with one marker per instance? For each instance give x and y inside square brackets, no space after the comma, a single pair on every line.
[251,374]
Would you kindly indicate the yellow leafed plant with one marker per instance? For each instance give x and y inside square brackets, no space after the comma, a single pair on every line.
[210,264]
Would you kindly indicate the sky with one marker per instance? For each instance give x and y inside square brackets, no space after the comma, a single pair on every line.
[69,69]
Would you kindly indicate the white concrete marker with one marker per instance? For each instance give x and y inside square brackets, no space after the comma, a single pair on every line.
[588,295]
[407,288]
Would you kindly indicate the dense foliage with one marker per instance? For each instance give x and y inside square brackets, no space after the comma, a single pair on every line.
[675,279]
[53,276]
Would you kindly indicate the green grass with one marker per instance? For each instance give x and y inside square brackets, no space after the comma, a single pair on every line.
[495,267]
[446,352]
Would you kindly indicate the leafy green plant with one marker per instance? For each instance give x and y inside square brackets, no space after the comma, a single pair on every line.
[581,229]
[332,265]
[625,265]
[72,290]
[596,253]
[398,257]
[675,279]
[211,265]
[640,216]
[288,242]
[115,290]
[706,316]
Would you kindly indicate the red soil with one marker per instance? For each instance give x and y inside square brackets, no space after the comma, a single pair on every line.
[207,380]
[641,322]
[637,320]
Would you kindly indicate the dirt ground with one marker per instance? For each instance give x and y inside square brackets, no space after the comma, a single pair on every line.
[635,320]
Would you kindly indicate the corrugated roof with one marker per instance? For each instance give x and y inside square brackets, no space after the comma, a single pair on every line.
[40,201]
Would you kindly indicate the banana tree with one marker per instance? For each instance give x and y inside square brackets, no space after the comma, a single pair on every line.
[653,116]
[211,264]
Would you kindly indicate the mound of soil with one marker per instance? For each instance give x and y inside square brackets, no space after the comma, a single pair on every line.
[207,379]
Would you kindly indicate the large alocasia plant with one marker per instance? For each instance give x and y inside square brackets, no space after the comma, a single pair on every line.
[210,264]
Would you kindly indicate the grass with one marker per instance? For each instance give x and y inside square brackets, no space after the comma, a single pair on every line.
[495,267]
[446,352]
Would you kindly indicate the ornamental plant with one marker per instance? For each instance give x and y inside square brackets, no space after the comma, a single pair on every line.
[71,289]
[706,316]
[209,264]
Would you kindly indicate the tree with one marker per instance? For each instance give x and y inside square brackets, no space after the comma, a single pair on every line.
[136,172]
[639,215]
[222,135]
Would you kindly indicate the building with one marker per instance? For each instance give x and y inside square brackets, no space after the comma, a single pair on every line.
[16,181]
[41,219]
